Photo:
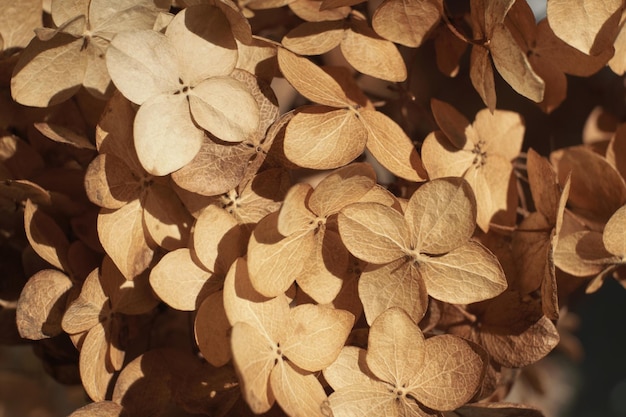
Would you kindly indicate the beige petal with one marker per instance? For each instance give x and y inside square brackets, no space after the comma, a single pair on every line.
[614,236]
[253,357]
[85,311]
[315,335]
[180,282]
[97,81]
[212,330]
[101,409]
[114,132]
[142,65]
[372,400]
[298,393]
[166,137]
[109,17]
[165,218]
[325,269]
[616,152]
[310,81]
[64,10]
[494,13]
[18,21]
[391,146]
[49,73]
[555,83]
[502,132]
[239,24]
[22,190]
[258,58]
[490,183]
[587,25]
[294,215]
[617,61]
[372,55]
[62,134]
[465,275]
[569,59]
[321,138]
[261,196]
[216,169]
[348,369]
[441,215]
[406,22]
[204,43]
[311,11]
[225,107]
[314,38]
[582,253]
[397,284]
[92,364]
[147,377]
[263,94]
[242,303]
[122,236]
[342,187]
[396,348]
[217,239]
[45,236]
[442,159]
[513,65]
[41,305]
[451,374]
[274,265]
[374,232]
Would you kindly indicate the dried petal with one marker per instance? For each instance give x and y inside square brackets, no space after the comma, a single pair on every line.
[122,236]
[224,107]
[589,26]
[322,138]
[440,215]
[391,146]
[166,137]
[374,232]
[315,335]
[311,81]
[41,305]
[180,282]
[36,81]
[397,284]
[142,64]
[407,22]
[372,55]
[465,275]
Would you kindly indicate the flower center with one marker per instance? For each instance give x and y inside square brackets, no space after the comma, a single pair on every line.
[480,155]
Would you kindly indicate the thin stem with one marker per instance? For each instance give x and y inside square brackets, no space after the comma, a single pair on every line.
[455,32]
[469,316]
